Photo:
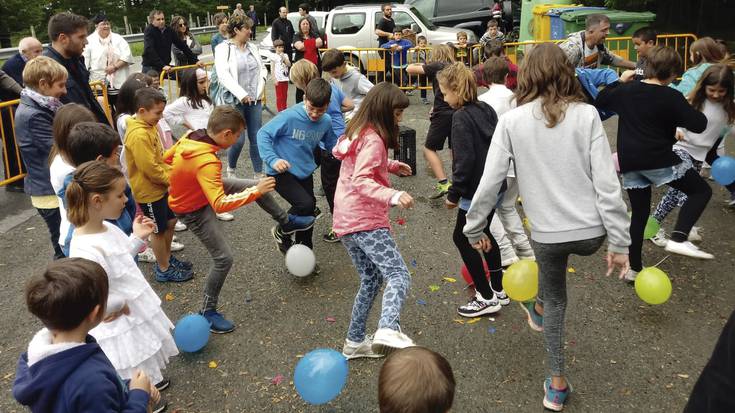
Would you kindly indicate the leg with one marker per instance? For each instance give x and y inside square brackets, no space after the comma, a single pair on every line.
[640,202]
[494,262]
[698,194]
[672,199]
[233,154]
[370,282]
[440,129]
[329,171]
[266,202]
[300,194]
[254,119]
[435,163]
[507,253]
[512,222]
[52,218]
[160,234]
[471,257]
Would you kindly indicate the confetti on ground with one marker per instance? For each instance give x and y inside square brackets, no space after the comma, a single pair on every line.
[683,376]
[449,279]
[433,288]
[458,321]
[277,380]
[248,297]
[330,319]
[420,302]
[491,319]
[571,270]
[169,297]
[491,330]
[212,364]
[474,320]
[401,221]
[414,263]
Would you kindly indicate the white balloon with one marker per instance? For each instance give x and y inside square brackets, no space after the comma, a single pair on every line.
[300,260]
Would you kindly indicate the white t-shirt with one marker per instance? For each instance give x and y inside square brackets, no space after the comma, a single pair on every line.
[501,99]
[181,110]
[58,172]
[591,57]
[280,71]
[698,144]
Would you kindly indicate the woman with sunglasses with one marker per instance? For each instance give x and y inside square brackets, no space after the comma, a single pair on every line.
[181,28]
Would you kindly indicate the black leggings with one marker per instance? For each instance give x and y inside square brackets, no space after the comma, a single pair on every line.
[473,259]
[300,194]
[698,194]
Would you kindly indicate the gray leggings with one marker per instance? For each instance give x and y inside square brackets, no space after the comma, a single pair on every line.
[204,224]
[552,296]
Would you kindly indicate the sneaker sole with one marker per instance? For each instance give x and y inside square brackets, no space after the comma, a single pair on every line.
[226,219]
[486,310]
[361,356]
[277,240]
[165,386]
[222,331]
[549,405]
[658,243]
[298,230]
[160,409]
[386,349]
[530,321]
[173,281]
[688,254]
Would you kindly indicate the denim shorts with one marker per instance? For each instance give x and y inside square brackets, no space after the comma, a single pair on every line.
[658,177]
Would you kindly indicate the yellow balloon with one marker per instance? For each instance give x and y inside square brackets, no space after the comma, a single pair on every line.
[653,286]
[520,280]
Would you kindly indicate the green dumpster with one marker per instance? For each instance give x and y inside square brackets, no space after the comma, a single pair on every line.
[622,24]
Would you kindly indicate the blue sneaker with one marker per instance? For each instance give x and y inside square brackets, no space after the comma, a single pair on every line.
[218,324]
[184,265]
[172,274]
[554,399]
[297,223]
[535,320]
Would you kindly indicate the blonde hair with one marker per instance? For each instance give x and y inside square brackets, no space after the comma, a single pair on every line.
[43,68]
[707,50]
[303,72]
[93,177]
[546,74]
[442,53]
[461,80]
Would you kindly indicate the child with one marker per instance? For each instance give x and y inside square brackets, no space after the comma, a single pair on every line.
[402,390]
[193,106]
[493,33]
[649,113]
[287,144]
[644,39]
[463,51]
[198,192]
[302,74]
[138,334]
[45,83]
[399,57]
[713,96]
[149,181]
[495,48]
[281,63]
[352,82]
[64,369]
[703,53]
[361,208]
[473,124]
[573,204]
[422,58]
[155,77]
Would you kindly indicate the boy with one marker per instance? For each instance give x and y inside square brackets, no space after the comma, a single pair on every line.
[491,49]
[148,176]
[287,144]
[45,82]
[280,74]
[463,51]
[64,369]
[401,390]
[644,39]
[422,57]
[198,193]
[353,83]
[492,33]
[399,57]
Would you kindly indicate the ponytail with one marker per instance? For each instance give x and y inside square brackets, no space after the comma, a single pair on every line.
[93,177]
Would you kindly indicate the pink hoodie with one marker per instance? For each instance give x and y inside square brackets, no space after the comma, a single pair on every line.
[363,196]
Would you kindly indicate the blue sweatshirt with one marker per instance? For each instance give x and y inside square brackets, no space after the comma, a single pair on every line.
[338,120]
[400,57]
[293,136]
[77,380]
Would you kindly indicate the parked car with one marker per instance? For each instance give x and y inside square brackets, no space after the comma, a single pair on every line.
[470,14]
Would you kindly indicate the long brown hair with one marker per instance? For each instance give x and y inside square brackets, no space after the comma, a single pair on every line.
[715,75]
[93,177]
[707,50]
[376,112]
[545,73]
[442,53]
[64,120]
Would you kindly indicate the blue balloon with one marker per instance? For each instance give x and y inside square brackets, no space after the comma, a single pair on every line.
[320,375]
[191,333]
[723,170]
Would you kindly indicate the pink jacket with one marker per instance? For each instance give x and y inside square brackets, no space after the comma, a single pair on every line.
[363,196]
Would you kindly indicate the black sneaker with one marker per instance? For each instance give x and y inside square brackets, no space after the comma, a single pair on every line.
[330,237]
[163,384]
[283,241]
[479,306]
[159,407]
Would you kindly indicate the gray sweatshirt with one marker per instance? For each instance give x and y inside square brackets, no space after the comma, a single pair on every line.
[355,85]
[565,176]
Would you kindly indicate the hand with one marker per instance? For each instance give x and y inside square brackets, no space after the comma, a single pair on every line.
[281,165]
[246,100]
[405,201]
[143,227]
[680,136]
[140,381]
[266,185]
[449,204]
[404,169]
[200,64]
[627,76]
[110,69]
[117,314]
[483,245]
[617,260]
[166,68]
[155,394]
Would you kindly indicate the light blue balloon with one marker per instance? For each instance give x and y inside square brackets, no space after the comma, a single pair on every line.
[191,333]
[723,170]
[320,375]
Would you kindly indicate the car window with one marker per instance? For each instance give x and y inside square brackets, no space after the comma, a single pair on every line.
[454,7]
[404,20]
[348,23]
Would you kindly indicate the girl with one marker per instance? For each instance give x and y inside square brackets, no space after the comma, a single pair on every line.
[361,208]
[712,96]
[137,333]
[440,117]
[180,28]
[473,124]
[307,47]
[572,204]
[703,53]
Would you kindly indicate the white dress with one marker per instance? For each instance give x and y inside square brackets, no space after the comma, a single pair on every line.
[141,340]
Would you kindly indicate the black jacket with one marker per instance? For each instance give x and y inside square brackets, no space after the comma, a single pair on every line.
[473,126]
[14,68]
[283,29]
[157,47]
[77,84]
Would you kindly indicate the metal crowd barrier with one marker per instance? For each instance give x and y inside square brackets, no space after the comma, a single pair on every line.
[7,133]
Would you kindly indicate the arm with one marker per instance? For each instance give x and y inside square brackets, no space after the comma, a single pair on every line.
[688,81]
[222,65]
[210,180]
[144,155]
[608,97]
[367,162]
[463,153]
[87,56]
[184,48]
[149,51]
[126,56]
[299,45]
[347,104]
[319,42]
[175,112]
[267,136]
[688,117]
[99,395]
[415,69]
[8,83]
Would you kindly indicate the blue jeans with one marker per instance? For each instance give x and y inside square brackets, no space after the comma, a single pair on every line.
[376,257]
[253,115]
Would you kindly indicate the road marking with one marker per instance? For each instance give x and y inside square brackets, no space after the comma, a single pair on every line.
[12,221]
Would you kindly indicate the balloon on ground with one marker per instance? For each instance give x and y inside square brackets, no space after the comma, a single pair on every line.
[520,280]
[300,260]
[723,170]
[191,333]
[653,286]
[320,375]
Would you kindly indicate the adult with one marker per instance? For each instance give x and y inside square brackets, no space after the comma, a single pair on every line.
[254,17]
[307,47]
[238,11]
[68,34]
[586,48]
[107,56]
[180,27]
[241,72]
[304,13]
[384,30]
[28,48]
[283,29]
[157,41]
[10,90]
[220,20]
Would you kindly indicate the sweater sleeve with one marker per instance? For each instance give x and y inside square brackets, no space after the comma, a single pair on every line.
[100,395]
[463,154]
[367,163]
[688,117]
[139,144]
[176,40]
[175,112]
[266,139]
[209,177]
[688,81]
[607,98]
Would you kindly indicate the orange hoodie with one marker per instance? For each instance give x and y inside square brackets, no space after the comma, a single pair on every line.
[196,177]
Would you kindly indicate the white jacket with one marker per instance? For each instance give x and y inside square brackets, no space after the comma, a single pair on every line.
[95,58]
[225,63]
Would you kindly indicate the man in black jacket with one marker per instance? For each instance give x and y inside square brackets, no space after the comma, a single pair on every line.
[68,34]
[28,48]
[283,29]
[157,41]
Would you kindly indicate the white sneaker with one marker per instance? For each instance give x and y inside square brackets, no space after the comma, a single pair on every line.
[180,226]
[688,249]
[225,216]
[694,235]
[387,340]
[176,246]
[630,276]
[479,306]
[502,297]
[660,238]
[352,350]
[147,255]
